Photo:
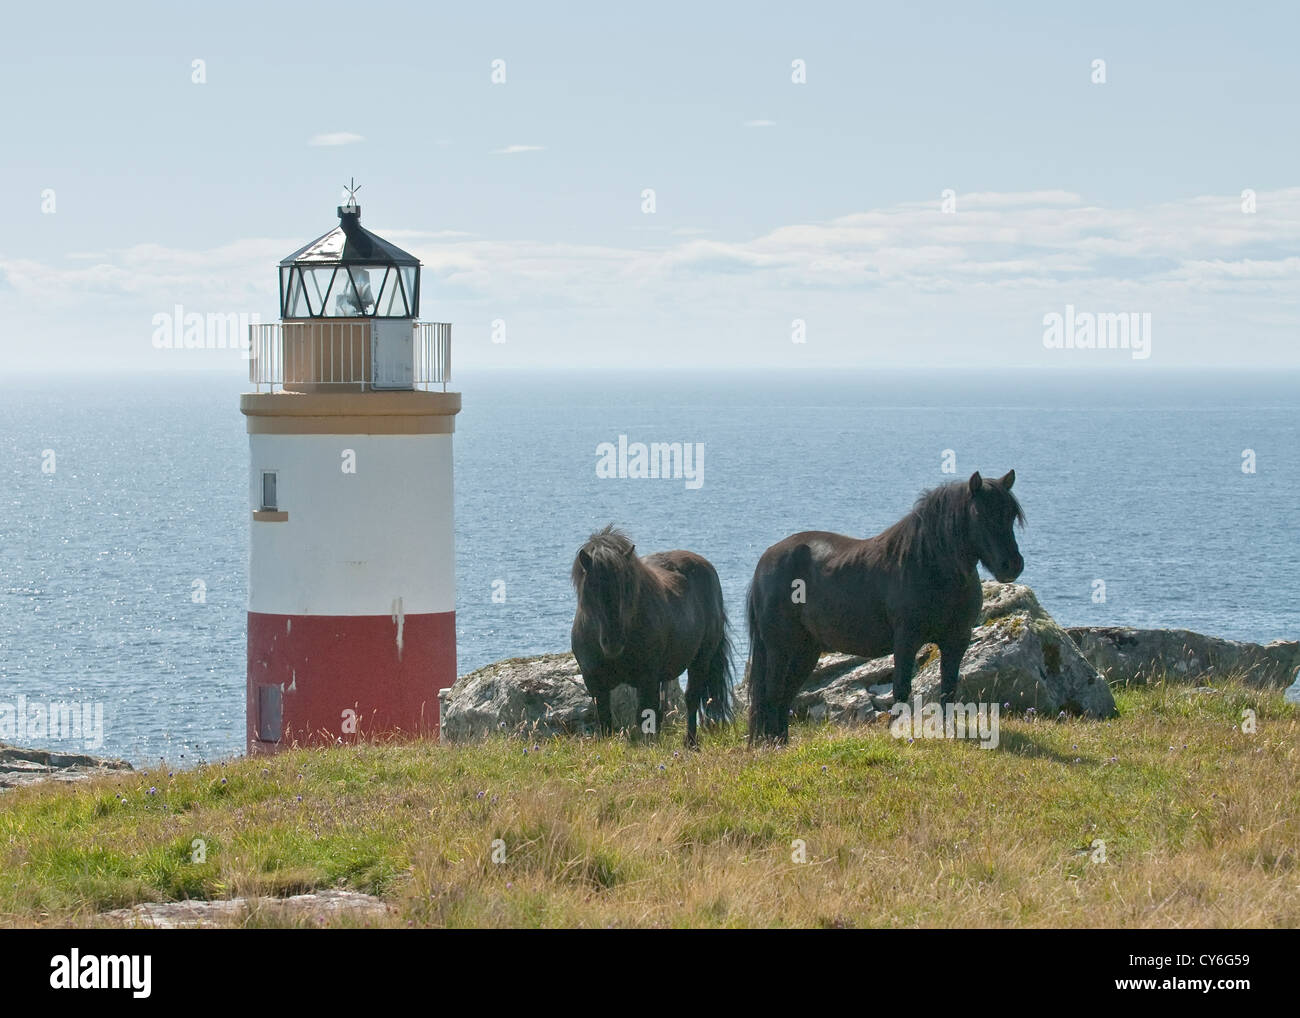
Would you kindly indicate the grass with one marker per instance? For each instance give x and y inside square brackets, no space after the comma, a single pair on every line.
[1201,825]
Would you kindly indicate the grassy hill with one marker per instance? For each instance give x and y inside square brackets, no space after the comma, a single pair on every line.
[1200,823]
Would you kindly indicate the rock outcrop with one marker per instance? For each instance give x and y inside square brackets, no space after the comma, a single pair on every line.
[1134,656]
[27,766]
[1018,655]
[534,696]
[316,907]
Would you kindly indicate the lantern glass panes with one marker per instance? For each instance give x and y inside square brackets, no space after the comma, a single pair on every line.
[348,291]
[350,273]
[411,286]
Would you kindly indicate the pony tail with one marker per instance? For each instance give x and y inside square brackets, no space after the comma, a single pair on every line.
[757,666]
[719,697]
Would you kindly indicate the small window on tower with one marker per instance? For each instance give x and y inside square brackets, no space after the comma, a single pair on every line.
[269,503]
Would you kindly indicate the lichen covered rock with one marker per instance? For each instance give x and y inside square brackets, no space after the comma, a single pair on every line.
[1018,655]
[535,696]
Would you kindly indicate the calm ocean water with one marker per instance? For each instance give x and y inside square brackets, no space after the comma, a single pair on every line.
[1134,479]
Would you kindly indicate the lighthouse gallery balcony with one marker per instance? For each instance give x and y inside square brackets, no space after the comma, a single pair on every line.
[332,355]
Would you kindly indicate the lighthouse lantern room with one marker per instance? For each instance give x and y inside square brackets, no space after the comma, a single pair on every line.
[351,574]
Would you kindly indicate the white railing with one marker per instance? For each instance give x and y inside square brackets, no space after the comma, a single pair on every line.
[432,354]
[323,353]
[265,355]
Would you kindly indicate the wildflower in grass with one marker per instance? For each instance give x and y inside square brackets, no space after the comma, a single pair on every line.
[299,799]
[152,790]
[480,795]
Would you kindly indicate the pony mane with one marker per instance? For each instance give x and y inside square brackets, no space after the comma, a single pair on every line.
[608,545]
[934,529]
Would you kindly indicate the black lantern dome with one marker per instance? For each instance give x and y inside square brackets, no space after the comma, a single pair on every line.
[350,273]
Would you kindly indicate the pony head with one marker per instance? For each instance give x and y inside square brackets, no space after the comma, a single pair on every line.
[605,575]
[994,512]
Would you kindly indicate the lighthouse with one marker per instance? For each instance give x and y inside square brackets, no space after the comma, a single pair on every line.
[351,569]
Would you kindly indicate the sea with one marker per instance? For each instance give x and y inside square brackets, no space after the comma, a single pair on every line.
[1153,499]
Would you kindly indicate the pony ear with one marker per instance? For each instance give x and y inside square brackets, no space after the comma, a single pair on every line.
[976,482]
[584,559]
[631,551]
[1008,479]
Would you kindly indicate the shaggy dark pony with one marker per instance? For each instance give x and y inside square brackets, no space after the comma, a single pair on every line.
[643,621]
[914,584]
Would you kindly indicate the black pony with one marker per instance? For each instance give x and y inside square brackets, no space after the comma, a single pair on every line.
[914,584]
[643,621]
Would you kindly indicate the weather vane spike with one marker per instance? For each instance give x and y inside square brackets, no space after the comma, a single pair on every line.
[350,189]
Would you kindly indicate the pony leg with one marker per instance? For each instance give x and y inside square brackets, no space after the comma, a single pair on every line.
[649,698]
[950,667]
[905,648]
[769,716]
[604,716]
[765,693]
[692,708]
[802,663]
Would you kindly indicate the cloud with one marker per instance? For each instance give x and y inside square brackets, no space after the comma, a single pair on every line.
[336,138]
[760,123]
[511,150]
[1010,199]
[904,283]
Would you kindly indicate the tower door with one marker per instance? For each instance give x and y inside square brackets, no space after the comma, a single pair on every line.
[392,353]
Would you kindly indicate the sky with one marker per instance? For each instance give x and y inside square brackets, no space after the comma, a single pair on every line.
[649,186]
